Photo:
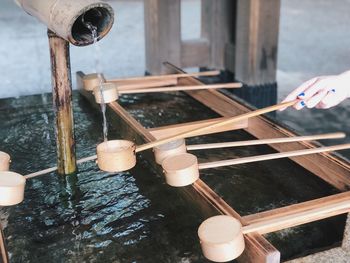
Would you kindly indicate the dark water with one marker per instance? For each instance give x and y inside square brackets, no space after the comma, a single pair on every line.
[133,216]
[94,216]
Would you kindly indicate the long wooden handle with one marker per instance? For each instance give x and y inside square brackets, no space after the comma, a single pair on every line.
[181,88]
[273,156]
[171,76]
[335,135]
[145,84]
[3,249]
[298,218]
[52,169]
[215,125]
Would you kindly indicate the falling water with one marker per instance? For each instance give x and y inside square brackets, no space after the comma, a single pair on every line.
[98,69]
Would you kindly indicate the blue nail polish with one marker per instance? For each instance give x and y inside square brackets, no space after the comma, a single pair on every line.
[302,103]
[333,90]
[301,94]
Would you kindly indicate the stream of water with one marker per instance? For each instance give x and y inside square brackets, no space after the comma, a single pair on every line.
[99,70]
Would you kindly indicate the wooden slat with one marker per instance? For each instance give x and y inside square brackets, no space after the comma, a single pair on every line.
[296,211]
[258,249]
[165,131]
[327,166]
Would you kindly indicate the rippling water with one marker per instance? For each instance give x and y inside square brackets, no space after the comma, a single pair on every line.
[133,216]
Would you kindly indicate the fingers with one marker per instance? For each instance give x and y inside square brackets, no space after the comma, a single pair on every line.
[331,99]
[316,99]
[299,93]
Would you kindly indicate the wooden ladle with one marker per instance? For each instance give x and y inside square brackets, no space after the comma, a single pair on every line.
[222,237]
[90,81]
[183,169]
[179,146]
[109,92]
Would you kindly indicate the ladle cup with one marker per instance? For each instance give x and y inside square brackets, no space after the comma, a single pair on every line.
[11,188]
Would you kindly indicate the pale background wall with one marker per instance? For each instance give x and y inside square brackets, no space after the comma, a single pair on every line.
[314,39]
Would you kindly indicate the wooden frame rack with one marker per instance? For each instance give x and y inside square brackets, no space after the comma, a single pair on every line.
[332,169]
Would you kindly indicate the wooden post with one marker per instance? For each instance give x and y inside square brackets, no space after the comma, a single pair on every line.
[217,26]
[62,103]
[3,249]
[256,50]
[162,34]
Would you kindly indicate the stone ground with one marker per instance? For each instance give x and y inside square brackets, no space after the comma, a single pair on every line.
[314,40]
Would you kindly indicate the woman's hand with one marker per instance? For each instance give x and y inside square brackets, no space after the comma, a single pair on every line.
[321,92]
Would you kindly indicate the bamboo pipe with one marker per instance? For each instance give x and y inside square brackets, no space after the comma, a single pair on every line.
[3,248]
[66,17]
[222,237]
[62,102]
[215,125]
[110,92]
[170,76]
[273,156]
[335,135]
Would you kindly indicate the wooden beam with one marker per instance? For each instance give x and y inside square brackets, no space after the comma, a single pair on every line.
[327,166]
[258,249]
[256,41]
[170,130]
[162,33]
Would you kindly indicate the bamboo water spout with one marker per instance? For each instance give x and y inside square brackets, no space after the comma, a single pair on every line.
[67,18]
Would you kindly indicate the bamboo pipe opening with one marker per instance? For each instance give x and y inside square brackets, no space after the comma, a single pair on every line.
[11,188]
[99,17]
[73,21]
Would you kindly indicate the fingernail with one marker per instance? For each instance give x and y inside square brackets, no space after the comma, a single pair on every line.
[333,90]
[301,94]
[302,103]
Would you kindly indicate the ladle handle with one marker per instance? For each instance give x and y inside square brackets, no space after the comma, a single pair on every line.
[52,169]
[298,218]
[273,156]
[145,84]
[215,125]
[3,248]
[181,88]
[171,76]
[335,135]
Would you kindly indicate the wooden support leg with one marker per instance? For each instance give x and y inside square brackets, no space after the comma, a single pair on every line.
[256,50]
[162,33]
[62,103]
